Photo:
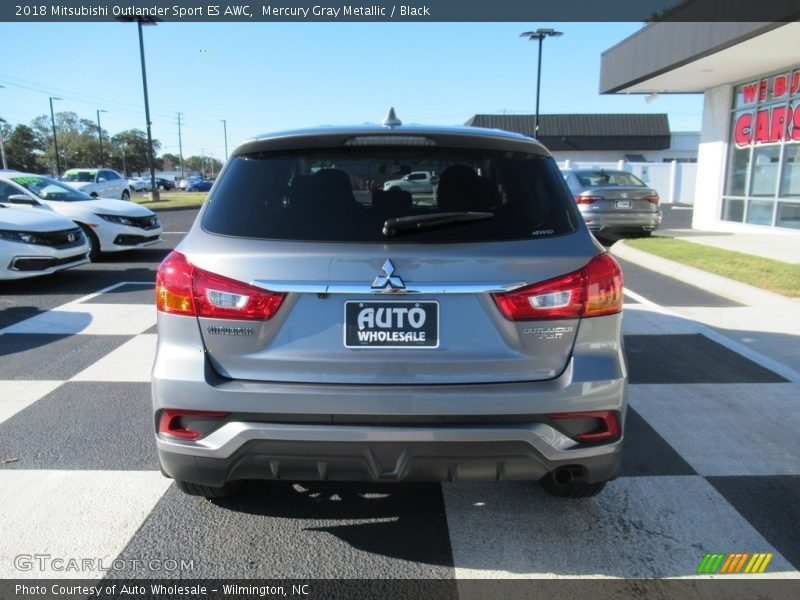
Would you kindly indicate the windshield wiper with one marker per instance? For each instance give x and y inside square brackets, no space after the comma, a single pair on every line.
[399,225]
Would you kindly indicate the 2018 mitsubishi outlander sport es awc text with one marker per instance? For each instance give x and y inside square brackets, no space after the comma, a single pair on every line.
[312,328]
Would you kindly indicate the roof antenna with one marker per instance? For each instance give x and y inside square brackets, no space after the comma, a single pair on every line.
[391,121]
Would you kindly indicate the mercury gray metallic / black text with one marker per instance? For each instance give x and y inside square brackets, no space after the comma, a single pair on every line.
[314,327]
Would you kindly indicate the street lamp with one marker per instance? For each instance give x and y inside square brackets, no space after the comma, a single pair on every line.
[2,144]
[145,20]
[100,136]
[55,137]
[539,34]
[225,129]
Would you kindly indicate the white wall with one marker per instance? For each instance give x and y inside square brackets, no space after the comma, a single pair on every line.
[711,157]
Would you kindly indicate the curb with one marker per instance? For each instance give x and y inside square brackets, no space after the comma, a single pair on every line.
[714,284]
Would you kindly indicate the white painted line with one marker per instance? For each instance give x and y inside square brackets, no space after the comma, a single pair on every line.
[19,395]
[750,354]
[131,362]
[72,514]
[175,232]
[637,527]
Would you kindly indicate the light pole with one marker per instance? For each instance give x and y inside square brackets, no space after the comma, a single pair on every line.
[225,129]
[2,143]
[539,34]
[55,137]
[100,136]
[145,20]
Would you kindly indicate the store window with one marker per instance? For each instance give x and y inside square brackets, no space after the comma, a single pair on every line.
[763,168]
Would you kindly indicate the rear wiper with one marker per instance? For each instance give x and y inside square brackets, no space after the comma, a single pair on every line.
[400,225]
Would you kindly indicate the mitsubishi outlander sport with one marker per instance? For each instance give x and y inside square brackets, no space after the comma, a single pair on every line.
[312,328]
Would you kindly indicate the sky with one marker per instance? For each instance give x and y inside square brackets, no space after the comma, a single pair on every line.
[263,77]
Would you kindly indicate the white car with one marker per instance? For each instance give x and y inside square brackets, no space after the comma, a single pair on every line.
[110,225]
[100,183]
[38,242]
[416,181]
[137,184]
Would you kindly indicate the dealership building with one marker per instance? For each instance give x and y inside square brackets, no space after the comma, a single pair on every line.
[748,162]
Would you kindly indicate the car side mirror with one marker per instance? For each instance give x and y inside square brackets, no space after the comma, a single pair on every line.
[22,199]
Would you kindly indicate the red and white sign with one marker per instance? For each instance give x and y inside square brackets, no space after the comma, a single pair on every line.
[771,124]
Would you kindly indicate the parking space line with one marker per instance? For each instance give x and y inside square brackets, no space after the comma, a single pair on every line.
[768,363]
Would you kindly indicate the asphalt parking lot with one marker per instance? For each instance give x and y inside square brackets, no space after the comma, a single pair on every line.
[712,463]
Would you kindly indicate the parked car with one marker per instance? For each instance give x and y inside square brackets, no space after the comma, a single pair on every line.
[615,201]
[183,183]
[110,225]
[165,184]
[202,185]
[414,182]
[34,243]
[137,184]
[100,183]
[370,338]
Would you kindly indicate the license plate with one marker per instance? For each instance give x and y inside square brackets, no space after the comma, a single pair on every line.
[623,204]
[391,324]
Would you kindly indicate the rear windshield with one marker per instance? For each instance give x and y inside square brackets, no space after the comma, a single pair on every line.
[354,194]
[607,179]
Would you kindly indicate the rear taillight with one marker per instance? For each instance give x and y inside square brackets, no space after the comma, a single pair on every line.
[590,292]
[182,288]
[177,423]
[587,199]
[603,286]
[596,426]
[652,199]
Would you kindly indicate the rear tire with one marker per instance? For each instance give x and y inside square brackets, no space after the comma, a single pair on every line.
[574,489]
[94,243]
[207,491]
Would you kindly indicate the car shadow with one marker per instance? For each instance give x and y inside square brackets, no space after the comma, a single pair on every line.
[402,521]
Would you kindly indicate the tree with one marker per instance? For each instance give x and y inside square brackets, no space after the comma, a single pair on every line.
[170,161]
[128,151]
[78,144]
[206,165]
[22,150]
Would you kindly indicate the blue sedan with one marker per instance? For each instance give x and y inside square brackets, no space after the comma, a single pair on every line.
[199,186]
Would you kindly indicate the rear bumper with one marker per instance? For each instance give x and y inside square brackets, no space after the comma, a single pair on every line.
[634,221]
[301,453]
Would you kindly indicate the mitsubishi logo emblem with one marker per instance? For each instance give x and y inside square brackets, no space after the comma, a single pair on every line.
[388,282]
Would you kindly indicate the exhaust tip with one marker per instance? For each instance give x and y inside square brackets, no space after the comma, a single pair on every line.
[562,476]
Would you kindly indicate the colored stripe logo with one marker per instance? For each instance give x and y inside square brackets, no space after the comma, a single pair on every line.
[734,563]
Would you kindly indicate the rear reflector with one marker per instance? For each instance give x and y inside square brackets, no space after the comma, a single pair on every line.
[605,424]
[594,290]
[173,422]
[182,288]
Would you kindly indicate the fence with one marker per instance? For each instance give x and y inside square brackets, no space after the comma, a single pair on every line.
[673,181]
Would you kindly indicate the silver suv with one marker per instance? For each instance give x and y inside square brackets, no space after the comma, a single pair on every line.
[312,328]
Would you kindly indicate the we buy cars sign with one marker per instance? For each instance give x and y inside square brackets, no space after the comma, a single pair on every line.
[771,124]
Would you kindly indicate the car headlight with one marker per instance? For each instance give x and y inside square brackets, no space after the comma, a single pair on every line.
[24,237]
[117,219]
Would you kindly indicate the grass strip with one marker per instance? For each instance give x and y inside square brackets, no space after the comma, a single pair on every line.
[171,200]
[765,273]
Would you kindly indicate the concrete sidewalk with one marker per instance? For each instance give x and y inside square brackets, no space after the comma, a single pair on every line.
[781,244]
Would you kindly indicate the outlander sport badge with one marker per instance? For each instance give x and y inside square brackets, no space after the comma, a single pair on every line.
[388,282]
